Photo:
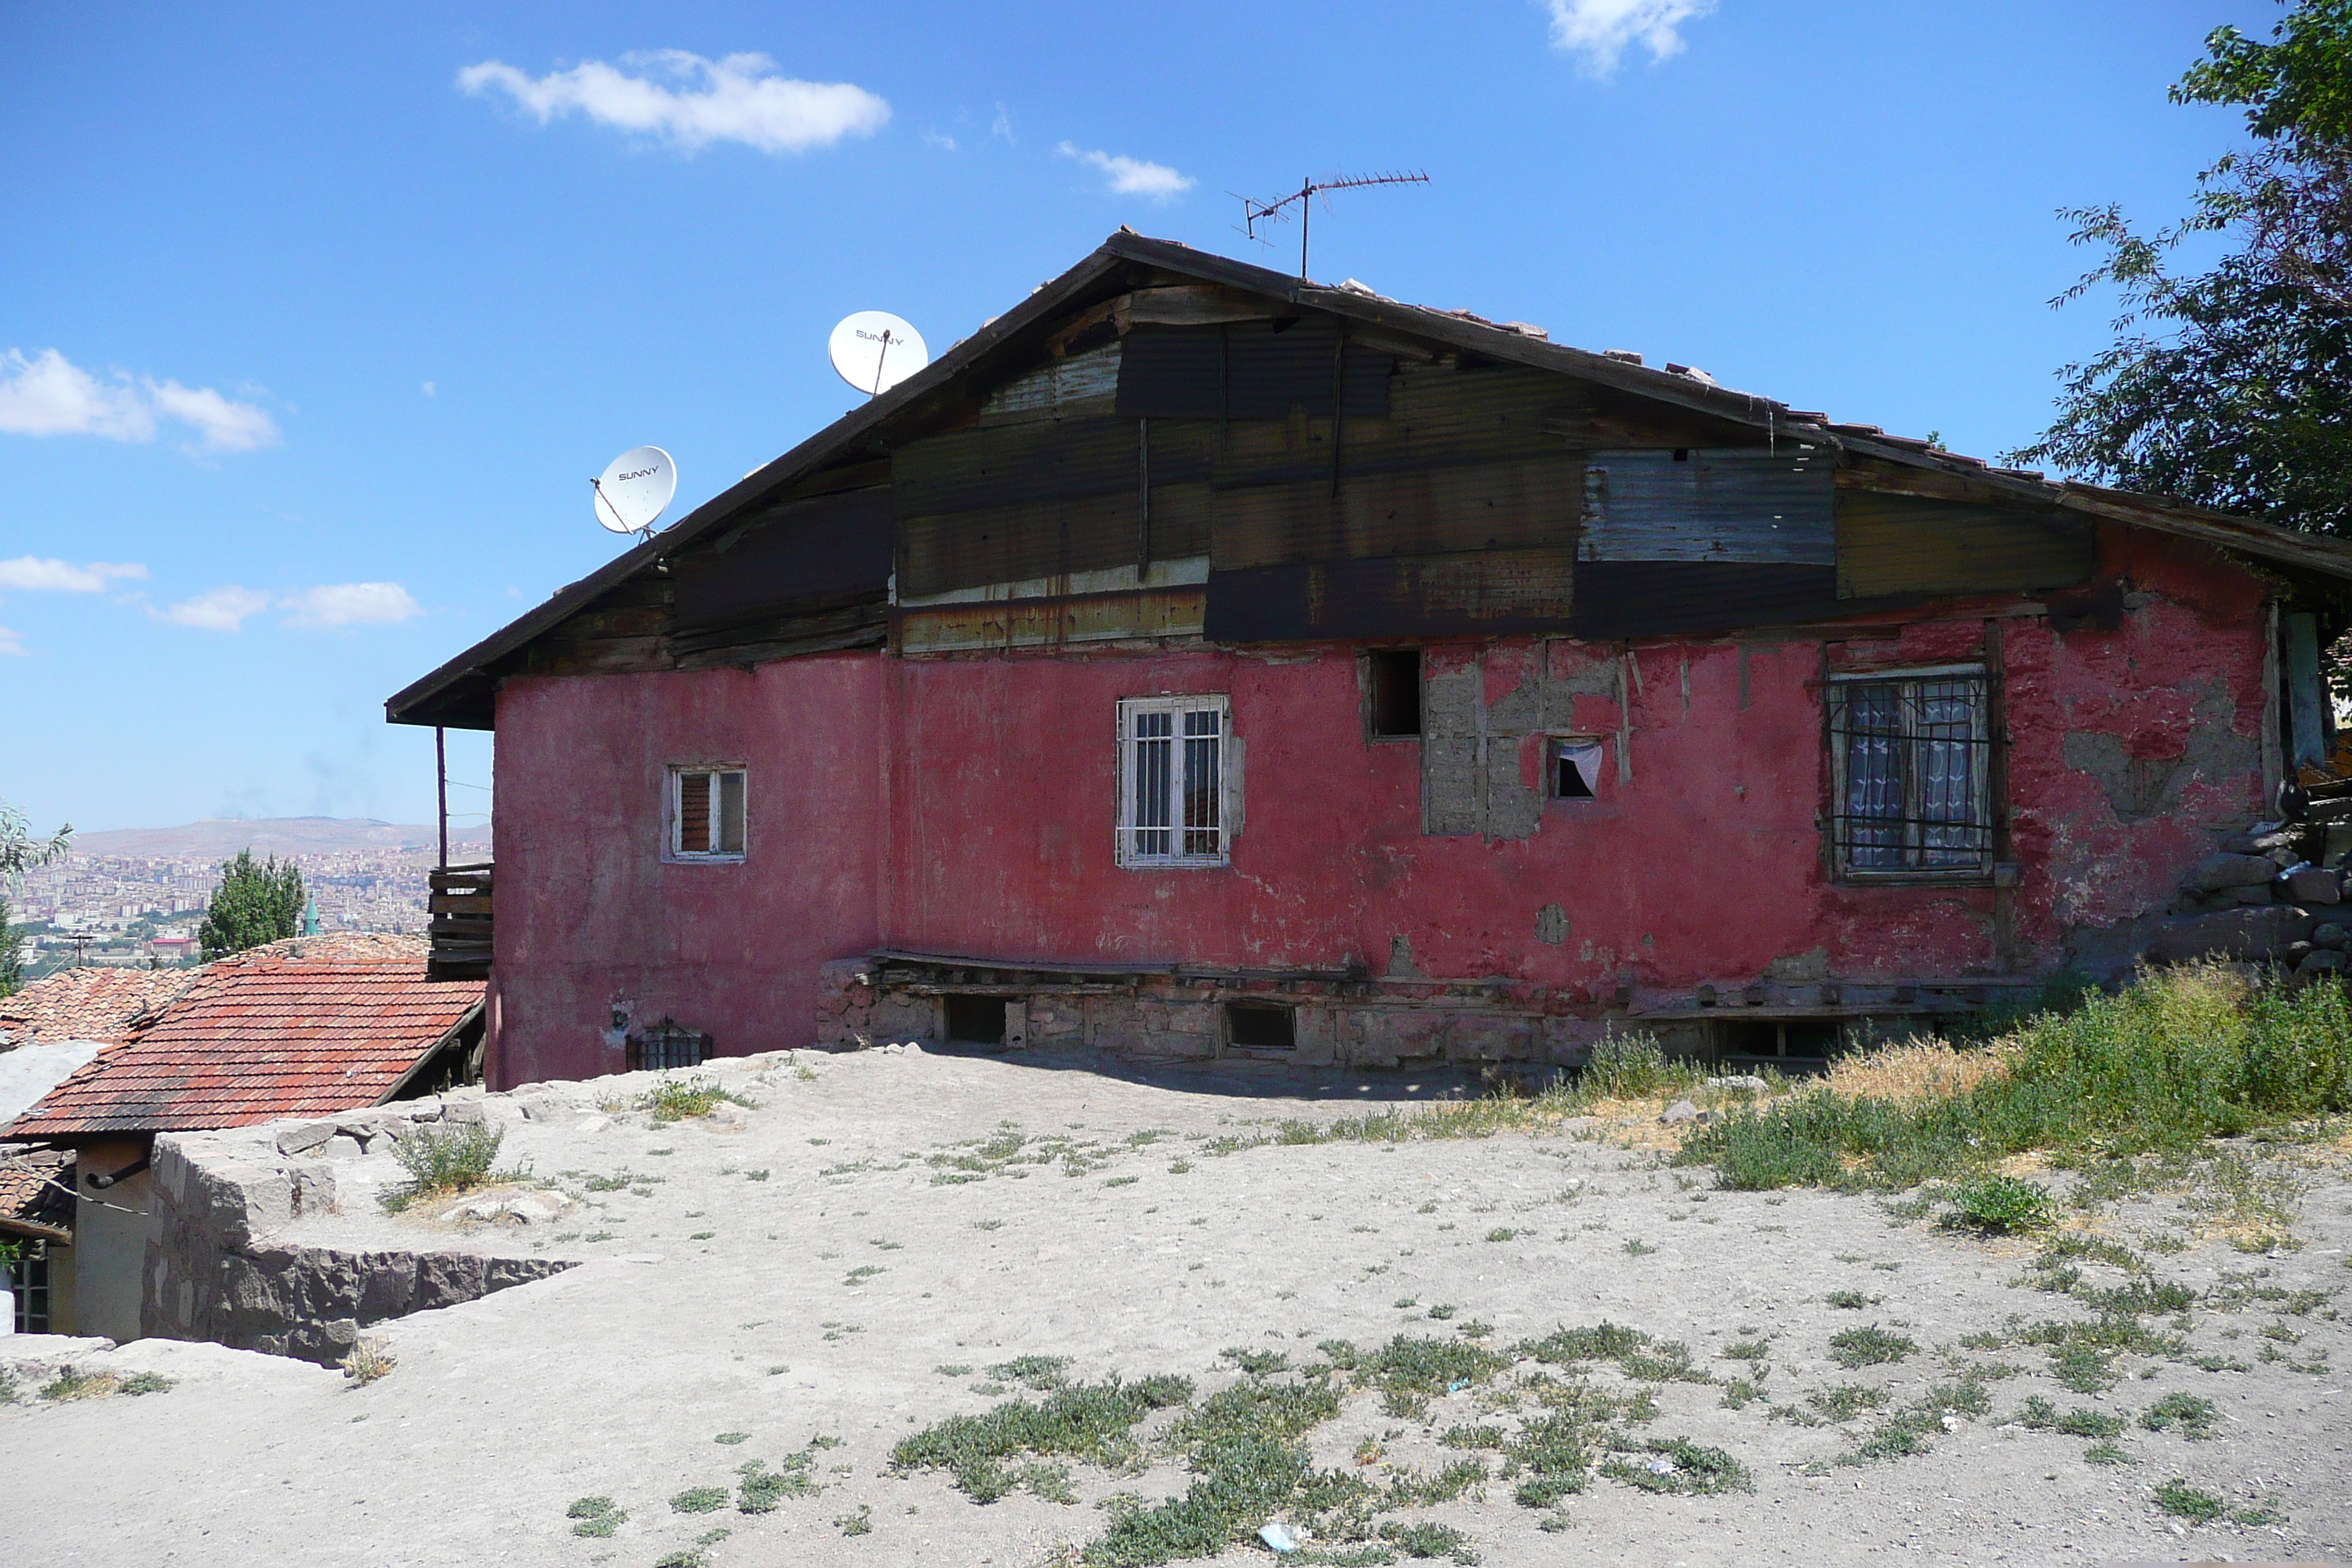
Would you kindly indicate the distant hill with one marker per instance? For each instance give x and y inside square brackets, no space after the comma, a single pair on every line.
[217,838]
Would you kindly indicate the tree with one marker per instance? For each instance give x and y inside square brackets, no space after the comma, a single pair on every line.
[2232,388]
[19,853]
[257,902]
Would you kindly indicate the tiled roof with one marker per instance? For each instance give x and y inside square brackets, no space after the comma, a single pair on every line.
[103,1004]
[36,1190]
[290,1030]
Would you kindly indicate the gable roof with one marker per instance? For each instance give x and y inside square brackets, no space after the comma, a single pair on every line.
[457,693]
[274,1033]
[103,1004]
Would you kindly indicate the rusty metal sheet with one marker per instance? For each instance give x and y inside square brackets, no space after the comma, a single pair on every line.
[799,556]
[1486,595]
[1619,599]
[1910,544]
[1001,465]
[1529,504]
[1015,543]
[1246,370]
[996,624]
[1691,504]
[1438,417]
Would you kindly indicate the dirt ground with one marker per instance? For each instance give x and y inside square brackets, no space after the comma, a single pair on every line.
[849,1259]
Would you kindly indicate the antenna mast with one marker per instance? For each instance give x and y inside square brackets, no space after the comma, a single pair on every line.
[1256,212]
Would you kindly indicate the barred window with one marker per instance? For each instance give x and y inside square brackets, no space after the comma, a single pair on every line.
[1172,757]
[1909,751]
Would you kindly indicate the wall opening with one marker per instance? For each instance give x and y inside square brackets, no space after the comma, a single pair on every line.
[1782,1039]
[976,1020]
[1393,685]
[1575,767]
[1254,1026]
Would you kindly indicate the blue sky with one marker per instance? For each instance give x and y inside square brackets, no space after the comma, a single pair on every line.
[314,321]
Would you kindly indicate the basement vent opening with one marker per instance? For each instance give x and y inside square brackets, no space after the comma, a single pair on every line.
[1575,767]
[1782,1039]
[1395,690]
[976,1020]
[1252,1027]
[666,1045]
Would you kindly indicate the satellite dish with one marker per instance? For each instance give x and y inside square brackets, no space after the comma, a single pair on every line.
[875,351]
[634,488]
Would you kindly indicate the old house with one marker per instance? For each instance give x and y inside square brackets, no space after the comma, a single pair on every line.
[1197,661]
[298,1028]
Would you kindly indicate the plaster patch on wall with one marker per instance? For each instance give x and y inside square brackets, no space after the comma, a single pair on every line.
[2139,787]
[1551,925]
[1800,968]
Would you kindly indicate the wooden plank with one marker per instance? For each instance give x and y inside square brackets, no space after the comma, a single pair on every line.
[459,904]
[1490,594]
[803,557]
[1530,504]
[1247,370]
[1616,600]
[1915,544]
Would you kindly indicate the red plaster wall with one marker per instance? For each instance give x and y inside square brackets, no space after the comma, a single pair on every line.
[989,831]
[589,911]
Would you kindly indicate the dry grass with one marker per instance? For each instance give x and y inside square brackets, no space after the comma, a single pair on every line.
[1917,1069]
[369,1360]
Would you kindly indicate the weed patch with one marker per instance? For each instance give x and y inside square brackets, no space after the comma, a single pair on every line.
[1873,1346]
[442,1161]
[595,1516]
[690,1099]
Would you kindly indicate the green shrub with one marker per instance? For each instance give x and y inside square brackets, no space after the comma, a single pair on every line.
[1629,1066]
[2192,1415]
[2178,1497]
[2004,1203]
[1873,1346]
[687,1099]
[443,1160]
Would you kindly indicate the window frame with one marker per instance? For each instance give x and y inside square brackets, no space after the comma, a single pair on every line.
[1553,743]
[673,813]
[1839,824]
[1126,828]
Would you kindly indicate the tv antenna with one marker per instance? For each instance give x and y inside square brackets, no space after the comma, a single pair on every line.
[634,490]
[875,351]
[1256,212]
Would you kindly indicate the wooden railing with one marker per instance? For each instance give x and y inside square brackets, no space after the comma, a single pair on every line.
[460,907]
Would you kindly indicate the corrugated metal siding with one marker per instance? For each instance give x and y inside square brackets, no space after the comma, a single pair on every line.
[796,557]
[1523,505]
[999,465]
[1045,623]
[1246,370]
[1618,599]
[1749,505]
[1905,544]
[1487,594]
[1009,544]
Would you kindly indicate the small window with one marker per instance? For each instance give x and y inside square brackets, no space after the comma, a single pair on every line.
[1575,767]
[1910,755]
[705,817]
[1392,686]
[1257,1026]
[1173,756]
[29,1278]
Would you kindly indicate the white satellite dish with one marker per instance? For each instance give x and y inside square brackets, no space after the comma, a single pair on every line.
[875,351]
[634,488]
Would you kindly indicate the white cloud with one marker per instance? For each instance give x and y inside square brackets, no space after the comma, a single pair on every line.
[350,604]
[944,143]
[1132,176]
[1002,126]
[1601,31]
[431,391]
[50,395]
[33,575]
[12,644]
[737,98]
[216,609]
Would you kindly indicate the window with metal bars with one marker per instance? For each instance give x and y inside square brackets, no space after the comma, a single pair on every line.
[1173,759]
[705,814]
[1910,755]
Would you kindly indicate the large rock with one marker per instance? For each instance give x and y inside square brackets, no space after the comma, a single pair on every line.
[2216,872]
[2314,885]
[2233,934]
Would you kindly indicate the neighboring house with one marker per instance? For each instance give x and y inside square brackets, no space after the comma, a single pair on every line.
[1196,661]
[298,1028]
[90,1004]
[37,1208]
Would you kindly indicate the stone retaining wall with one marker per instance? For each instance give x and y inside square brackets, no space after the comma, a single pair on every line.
[213,1270]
